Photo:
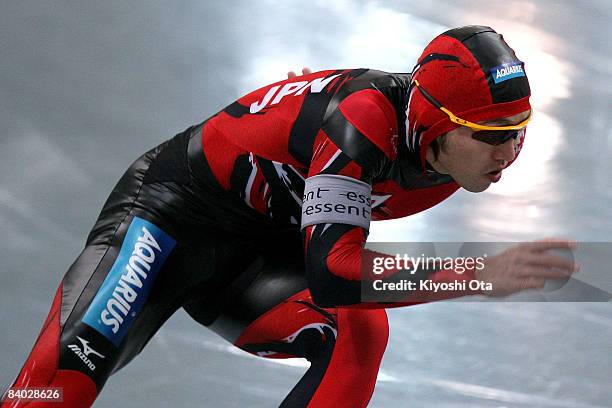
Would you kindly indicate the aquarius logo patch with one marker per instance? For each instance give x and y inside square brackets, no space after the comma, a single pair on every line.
[507,71]
[128,284]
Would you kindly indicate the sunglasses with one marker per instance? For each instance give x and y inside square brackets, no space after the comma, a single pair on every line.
[493,135]
[497,137]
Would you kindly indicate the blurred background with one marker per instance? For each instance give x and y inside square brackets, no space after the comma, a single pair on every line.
[86,87]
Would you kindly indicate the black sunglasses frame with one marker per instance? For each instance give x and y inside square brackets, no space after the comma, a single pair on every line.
[496,137]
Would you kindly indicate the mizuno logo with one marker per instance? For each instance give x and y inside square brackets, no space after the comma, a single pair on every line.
[88,350]
[84,351]
[128,284]
[295,88]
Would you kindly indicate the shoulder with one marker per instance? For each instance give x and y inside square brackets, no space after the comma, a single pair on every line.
[364,124]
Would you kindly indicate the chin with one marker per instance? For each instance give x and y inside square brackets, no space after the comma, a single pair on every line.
[476,187]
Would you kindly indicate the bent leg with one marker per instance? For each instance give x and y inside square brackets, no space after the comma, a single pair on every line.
[345,348]
[268,311]
[136,270]
[104,311]
[351,375]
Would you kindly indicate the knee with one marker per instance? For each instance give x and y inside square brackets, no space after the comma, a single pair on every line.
[369,329]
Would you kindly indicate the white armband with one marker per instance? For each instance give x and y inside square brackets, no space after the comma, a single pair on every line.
[330,198]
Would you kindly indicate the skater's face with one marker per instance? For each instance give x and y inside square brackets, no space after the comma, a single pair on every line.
[472,163]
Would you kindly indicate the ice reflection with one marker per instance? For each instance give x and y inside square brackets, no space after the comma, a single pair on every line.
[410,229]
[387,40]
[532,173]
[368,36]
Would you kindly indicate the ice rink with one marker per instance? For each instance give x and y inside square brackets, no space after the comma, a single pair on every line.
[87,87]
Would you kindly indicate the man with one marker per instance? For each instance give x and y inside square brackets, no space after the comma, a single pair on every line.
[242,220]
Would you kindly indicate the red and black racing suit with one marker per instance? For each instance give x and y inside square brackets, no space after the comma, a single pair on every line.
[210,221]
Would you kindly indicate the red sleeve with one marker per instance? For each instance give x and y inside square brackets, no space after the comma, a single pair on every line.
[357,140]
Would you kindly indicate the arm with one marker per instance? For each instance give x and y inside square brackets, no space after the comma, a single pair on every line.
[350,150]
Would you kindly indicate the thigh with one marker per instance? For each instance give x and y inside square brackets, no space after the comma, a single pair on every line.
[142,261]
[144,258]
[344,346]
[295,327]
[269,312]
[114,297]
[263,273]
